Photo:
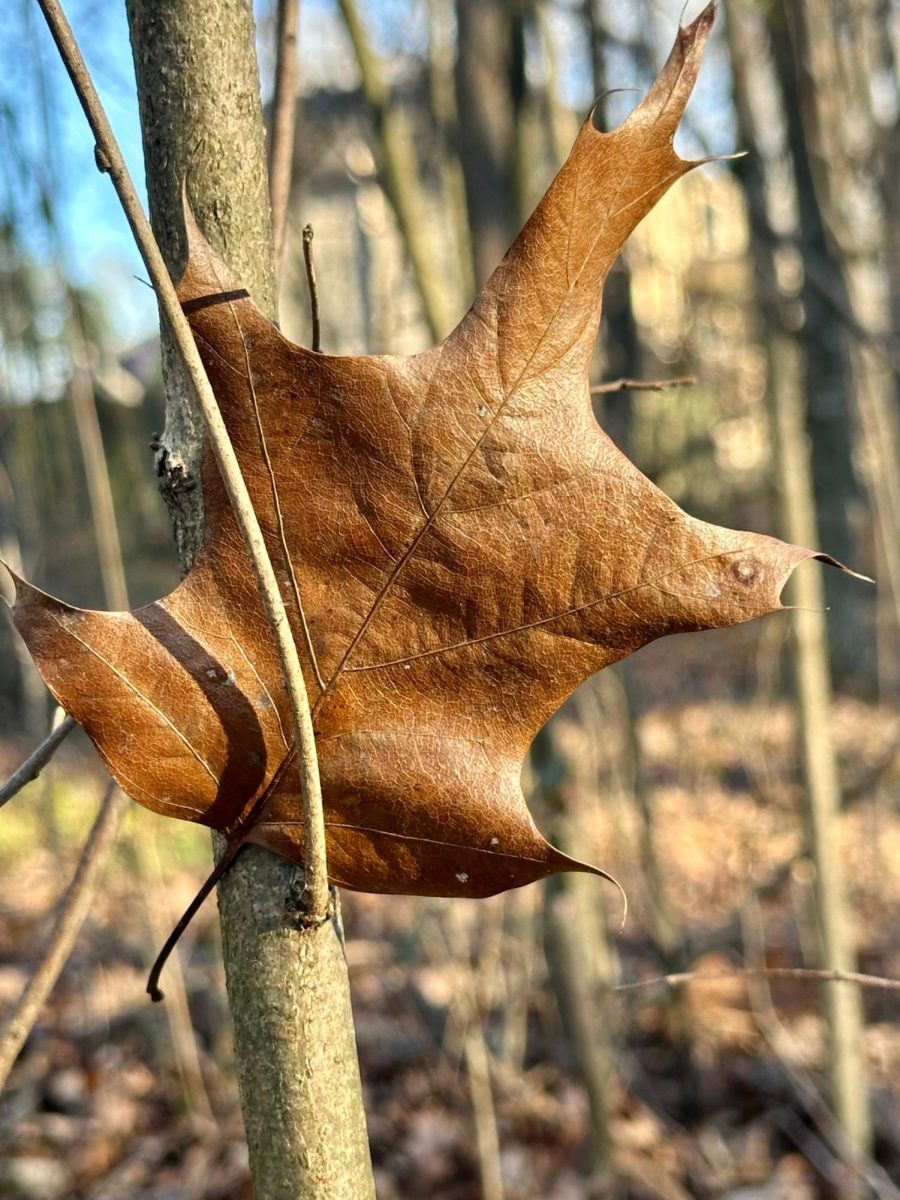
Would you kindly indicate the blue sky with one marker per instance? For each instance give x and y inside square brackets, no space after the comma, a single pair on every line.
[46,141]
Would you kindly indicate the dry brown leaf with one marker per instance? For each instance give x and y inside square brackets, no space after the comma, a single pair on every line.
[459,547]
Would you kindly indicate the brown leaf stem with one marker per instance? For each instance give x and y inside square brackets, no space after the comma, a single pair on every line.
[310,263]
[316,890]
[36,761]
[71,912]
[284,119]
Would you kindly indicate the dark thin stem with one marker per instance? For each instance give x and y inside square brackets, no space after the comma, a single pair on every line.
[36,761]
[71,912]
[642,385]
[310,262]
[236,842]
[284,119]
[231,852]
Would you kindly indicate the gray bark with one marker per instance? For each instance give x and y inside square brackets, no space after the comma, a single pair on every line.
[490,88]
[198,87]
[788,379]
[201,115]
[833,68]
[581,963]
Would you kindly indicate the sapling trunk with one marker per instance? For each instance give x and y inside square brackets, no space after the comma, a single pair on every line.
[198,87]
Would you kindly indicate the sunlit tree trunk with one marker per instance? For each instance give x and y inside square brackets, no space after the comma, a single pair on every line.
[832,56]
[752,70]
[581,961]
[826,341]
[399,177]
[200,106]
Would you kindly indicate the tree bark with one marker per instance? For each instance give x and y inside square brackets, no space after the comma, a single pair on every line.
[490,87]
[399,176]
[788,379]
[581,962]
[198,87]
[828,381]
[833,73]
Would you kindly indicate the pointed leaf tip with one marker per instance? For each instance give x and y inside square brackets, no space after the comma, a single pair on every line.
[834,562]
[564,862]
[671,90]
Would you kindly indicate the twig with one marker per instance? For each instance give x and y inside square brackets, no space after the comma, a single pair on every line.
[284,120]
[310,262]
[775,1034]
[36,761]
[72,910]
[110,160]
[680,977]
[642,385]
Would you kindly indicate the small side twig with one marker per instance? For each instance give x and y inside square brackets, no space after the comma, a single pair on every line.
[36,761]
[220,442]
[864,1170]
[642,385]
[680,977]
[284,119]
[72,910]
[309,260]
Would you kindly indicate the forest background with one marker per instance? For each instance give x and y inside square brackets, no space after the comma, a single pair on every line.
[497,1059]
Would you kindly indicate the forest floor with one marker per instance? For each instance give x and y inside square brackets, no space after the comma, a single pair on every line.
[714,1089]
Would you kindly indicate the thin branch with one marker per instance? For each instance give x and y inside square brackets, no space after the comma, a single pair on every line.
[310,262]
[642,385]
[284,120]
[109,159]
[777,1037]
[866,981]
[72,910]
[36,761]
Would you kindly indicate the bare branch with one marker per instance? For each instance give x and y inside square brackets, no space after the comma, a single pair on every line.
[36,761]
[310,262]
[866,981]
[642,385]
[72,910]
[109,158]
[284,119]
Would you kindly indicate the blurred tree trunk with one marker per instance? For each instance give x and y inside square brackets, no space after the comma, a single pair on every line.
[753,76]
[828,381]
[581,961]
[198,88]
[399,177]
[442,99]
[33,702]
[832,62]
[490,89]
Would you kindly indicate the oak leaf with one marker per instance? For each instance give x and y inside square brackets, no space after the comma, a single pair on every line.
[458,544]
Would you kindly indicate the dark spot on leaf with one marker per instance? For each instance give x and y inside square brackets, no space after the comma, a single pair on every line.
[745,572]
